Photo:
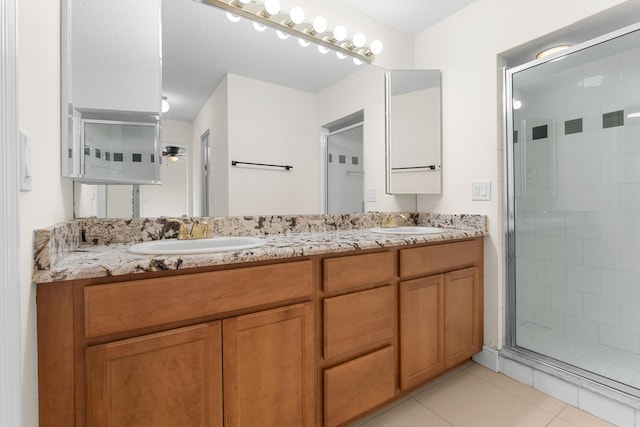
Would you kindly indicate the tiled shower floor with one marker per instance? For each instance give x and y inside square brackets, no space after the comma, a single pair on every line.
[616,364]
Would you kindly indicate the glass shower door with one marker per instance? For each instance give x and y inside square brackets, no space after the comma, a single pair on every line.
[575,204]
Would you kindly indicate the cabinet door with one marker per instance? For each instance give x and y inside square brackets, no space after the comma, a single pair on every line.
[268,368]
[171,378]
[463,303]
[421,330]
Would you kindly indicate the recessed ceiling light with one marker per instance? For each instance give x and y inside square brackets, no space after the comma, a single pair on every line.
[552,50]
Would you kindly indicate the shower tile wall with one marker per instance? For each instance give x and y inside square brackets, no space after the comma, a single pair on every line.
[578,203]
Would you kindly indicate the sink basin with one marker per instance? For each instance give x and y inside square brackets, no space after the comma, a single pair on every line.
[409,230]
[196,246]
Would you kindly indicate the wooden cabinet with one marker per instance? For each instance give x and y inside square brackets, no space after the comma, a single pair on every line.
[172,378]
[463,315]
[268,368]
[421,330]
[320,340]
[441,315]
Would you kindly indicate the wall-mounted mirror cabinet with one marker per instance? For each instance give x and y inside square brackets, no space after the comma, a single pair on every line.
[111,90]
[414,149]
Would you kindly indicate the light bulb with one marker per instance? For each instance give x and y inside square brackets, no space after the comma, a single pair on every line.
[303,42]
[322,49]
[376,47]
[272,6]
[341,55]
[282,35]
[517,104]
[320,24]
[359,40]
[340,33]
[258,26]
[165,104]
[232,17]
[357,61]
[297,15]
[244,2]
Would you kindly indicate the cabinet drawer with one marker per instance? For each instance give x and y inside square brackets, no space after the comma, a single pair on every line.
[429,259]
[142,303]
[358,320]
[357,386]
[357,270]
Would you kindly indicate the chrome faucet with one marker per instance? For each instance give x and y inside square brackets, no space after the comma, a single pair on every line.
[201,229]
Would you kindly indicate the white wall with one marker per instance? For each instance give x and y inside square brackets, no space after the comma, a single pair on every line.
[50,201]
[466,47]
[174,196]
[274,125]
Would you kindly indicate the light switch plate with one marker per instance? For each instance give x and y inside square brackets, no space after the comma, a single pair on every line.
[371,194]
[481,190]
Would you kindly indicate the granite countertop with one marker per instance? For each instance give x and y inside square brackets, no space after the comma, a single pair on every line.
[93,248]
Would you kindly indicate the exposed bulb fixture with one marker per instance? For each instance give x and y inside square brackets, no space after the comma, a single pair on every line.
[340,33]
[268,13]
[357,61]
[376,47]
[359,40]
[517,104]
[296,16]
[341,55]
[552,50]
[272,7]
[165,105]
[233,18]
[323,49]
[320,24]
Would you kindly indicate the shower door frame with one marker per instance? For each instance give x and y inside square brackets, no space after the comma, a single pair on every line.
[510,350]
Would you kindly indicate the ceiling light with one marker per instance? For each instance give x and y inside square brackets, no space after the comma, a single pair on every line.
[552,50]
[172,153]
[165,104]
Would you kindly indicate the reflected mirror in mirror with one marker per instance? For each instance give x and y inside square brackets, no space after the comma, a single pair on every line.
[259,99]
[413,132]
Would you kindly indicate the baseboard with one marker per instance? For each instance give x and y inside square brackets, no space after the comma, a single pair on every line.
[489,358]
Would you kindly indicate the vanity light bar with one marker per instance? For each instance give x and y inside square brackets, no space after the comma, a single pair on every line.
[281,21]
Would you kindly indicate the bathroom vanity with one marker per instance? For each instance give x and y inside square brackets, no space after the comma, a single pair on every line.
[319,336]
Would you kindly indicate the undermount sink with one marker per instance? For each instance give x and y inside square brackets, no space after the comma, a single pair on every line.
[408,230]
[196,246]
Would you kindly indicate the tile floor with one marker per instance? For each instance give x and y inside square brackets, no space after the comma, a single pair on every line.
[476,396]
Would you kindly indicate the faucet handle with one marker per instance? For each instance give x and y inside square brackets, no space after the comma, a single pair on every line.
[183,231]
[201,229]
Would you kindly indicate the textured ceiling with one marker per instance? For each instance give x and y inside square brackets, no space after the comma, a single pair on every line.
[409,16]
[200,46]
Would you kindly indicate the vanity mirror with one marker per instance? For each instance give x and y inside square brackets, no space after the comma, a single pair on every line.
[239,95]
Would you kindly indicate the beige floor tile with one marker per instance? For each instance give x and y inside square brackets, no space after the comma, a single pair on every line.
[559,422]
[408,414]
[466,400]
[580,418]
[523,391]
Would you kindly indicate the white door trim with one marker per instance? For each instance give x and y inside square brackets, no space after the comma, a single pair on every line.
[10,321]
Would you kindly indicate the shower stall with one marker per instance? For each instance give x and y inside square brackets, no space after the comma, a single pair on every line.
[573,210]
